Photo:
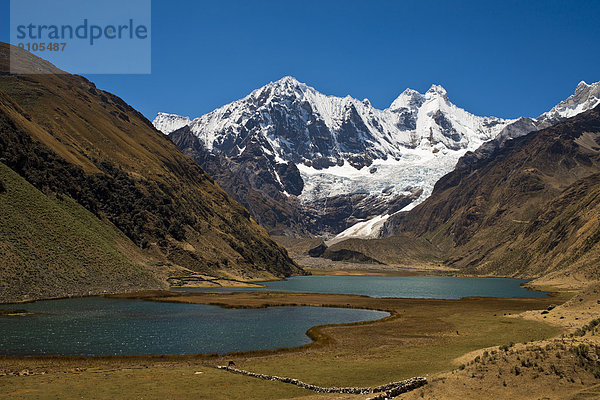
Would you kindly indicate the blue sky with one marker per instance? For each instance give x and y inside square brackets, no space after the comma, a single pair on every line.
[503,58]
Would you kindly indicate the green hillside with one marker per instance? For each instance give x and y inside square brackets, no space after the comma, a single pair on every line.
[53,247]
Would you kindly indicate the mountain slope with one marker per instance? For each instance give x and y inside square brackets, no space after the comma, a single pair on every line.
[529,209]
[65,136]
[312,150]
[240,177]
[79,253]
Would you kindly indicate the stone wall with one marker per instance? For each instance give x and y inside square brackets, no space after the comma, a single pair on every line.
[386,391]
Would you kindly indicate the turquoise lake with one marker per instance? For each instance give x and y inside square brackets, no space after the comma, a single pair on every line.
[434,287]
[97,326]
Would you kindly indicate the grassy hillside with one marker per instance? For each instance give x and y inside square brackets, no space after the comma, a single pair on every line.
[79,253]
[68,138]
[564,239]
[530,209]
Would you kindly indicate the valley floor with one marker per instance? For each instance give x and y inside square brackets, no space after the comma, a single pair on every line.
[440,339]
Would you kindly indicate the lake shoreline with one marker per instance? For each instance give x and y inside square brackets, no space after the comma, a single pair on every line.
[429,336]
[431,333]
[256,300]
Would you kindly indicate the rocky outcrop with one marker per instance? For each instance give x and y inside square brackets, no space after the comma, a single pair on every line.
[331,215]
[317,251]
[349,256]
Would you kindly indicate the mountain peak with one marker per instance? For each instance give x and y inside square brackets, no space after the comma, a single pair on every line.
[410,98]
[324,146]
[586,97]
[410,92]
[288,81]
[167,115]
[287,86]
[582,85]
[437,90]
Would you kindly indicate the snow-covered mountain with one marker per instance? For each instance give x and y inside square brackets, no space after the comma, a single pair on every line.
[585,98]
[349,155]
[168,123]
[297,122]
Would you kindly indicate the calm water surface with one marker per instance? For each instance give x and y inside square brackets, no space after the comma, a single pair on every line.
[435,287]
[96,326]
